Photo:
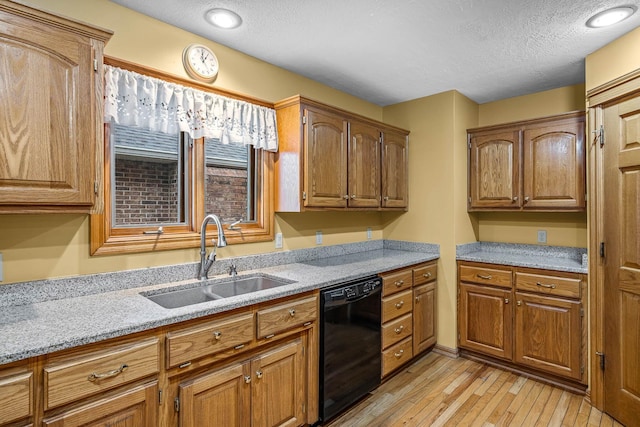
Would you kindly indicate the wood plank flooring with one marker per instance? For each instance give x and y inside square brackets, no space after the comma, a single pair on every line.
[440,391]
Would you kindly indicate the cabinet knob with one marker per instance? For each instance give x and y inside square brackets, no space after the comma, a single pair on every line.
[526,199]
[417,299]
[427,275]
[399,305]
[506,300]
[398,283]
[217,335]
[519,303]
[398,330]
[292,312]
[346,197]
[259,374]
[515,199]
[247,379]
[353,196]
[399,354]
[386,198]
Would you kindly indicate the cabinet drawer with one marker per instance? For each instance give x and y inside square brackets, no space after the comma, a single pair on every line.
[552,285]
[286,316]
[396,305]
[209,338]
[424,274]
[16,395]
[397,330]
[396,282]
[98,371]
[486,276]
[396,356]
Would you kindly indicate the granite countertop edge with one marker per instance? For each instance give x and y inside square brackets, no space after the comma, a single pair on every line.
[556,258]
[43,327]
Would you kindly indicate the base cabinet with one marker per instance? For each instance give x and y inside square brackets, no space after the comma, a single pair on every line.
[408,314]
[135,407]
[267,390]
[528,319]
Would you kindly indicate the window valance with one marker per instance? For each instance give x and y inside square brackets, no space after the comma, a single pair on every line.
[133,99]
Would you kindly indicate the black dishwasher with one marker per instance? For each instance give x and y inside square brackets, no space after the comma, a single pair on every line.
[350,356]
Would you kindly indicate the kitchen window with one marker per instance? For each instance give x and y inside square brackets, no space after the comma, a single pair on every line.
[161,179]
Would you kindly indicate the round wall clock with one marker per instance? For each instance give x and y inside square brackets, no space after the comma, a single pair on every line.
[200,62]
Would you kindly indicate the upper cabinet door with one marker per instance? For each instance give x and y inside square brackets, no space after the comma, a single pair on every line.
[554,166]
[325,160]
[395,167]
[48,111]
[494,177]
[364,165]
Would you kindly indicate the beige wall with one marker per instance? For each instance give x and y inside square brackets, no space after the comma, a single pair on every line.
[614,60]
[48,246]
[437,189]
[563,229]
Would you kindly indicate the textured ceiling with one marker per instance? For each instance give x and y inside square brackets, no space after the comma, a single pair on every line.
[388,51]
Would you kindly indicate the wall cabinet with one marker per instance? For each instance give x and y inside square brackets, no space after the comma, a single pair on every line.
[533,165]
[51,109]
[529,319]
[408,314]
[332,159]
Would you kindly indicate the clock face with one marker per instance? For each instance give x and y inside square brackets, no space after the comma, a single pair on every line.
[200,62]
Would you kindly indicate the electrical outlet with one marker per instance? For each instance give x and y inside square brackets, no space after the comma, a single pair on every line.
[542,236]
[318,237]
[369,234]
[278,240]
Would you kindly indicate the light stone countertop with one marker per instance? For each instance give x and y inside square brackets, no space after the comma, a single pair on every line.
[557,258]
[51,315]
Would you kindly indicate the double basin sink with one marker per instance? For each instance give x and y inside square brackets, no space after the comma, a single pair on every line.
[211,290]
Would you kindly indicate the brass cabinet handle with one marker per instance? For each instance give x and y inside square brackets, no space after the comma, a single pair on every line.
[398,355]
[399,304]
[427,275]
[506,300]
[217,335]
[398,330]
[95,377]
[398,283]
[485,277]
[551,286]
[259,374]
[292,312]
[247,379]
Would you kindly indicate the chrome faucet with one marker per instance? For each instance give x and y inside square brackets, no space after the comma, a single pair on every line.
[206,262]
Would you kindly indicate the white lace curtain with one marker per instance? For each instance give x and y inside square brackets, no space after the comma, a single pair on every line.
[133,99]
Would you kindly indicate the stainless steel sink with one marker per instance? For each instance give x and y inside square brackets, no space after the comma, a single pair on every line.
[215,289]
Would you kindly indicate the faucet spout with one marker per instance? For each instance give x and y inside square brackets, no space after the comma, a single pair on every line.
[206,262]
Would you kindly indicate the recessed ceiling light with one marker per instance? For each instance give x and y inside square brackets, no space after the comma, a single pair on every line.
[223,18]
[610,16]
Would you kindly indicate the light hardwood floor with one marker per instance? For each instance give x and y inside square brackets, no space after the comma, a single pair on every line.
[440,391]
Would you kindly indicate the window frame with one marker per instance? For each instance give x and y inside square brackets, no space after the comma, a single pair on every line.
[106,239]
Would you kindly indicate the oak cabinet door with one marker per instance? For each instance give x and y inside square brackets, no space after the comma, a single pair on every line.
[554,166]
[548,334]
[135,407]
[48,109]
[278,388]
[364,165]
[395,168]
[486,320]
[325,160]
[424,317]
[221,398]
[494,170]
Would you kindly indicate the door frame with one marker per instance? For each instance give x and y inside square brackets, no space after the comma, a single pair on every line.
[597,98]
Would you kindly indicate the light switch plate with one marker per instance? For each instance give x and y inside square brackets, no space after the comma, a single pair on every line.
[369,234]
[542,236]
[318,237]
[278,240]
